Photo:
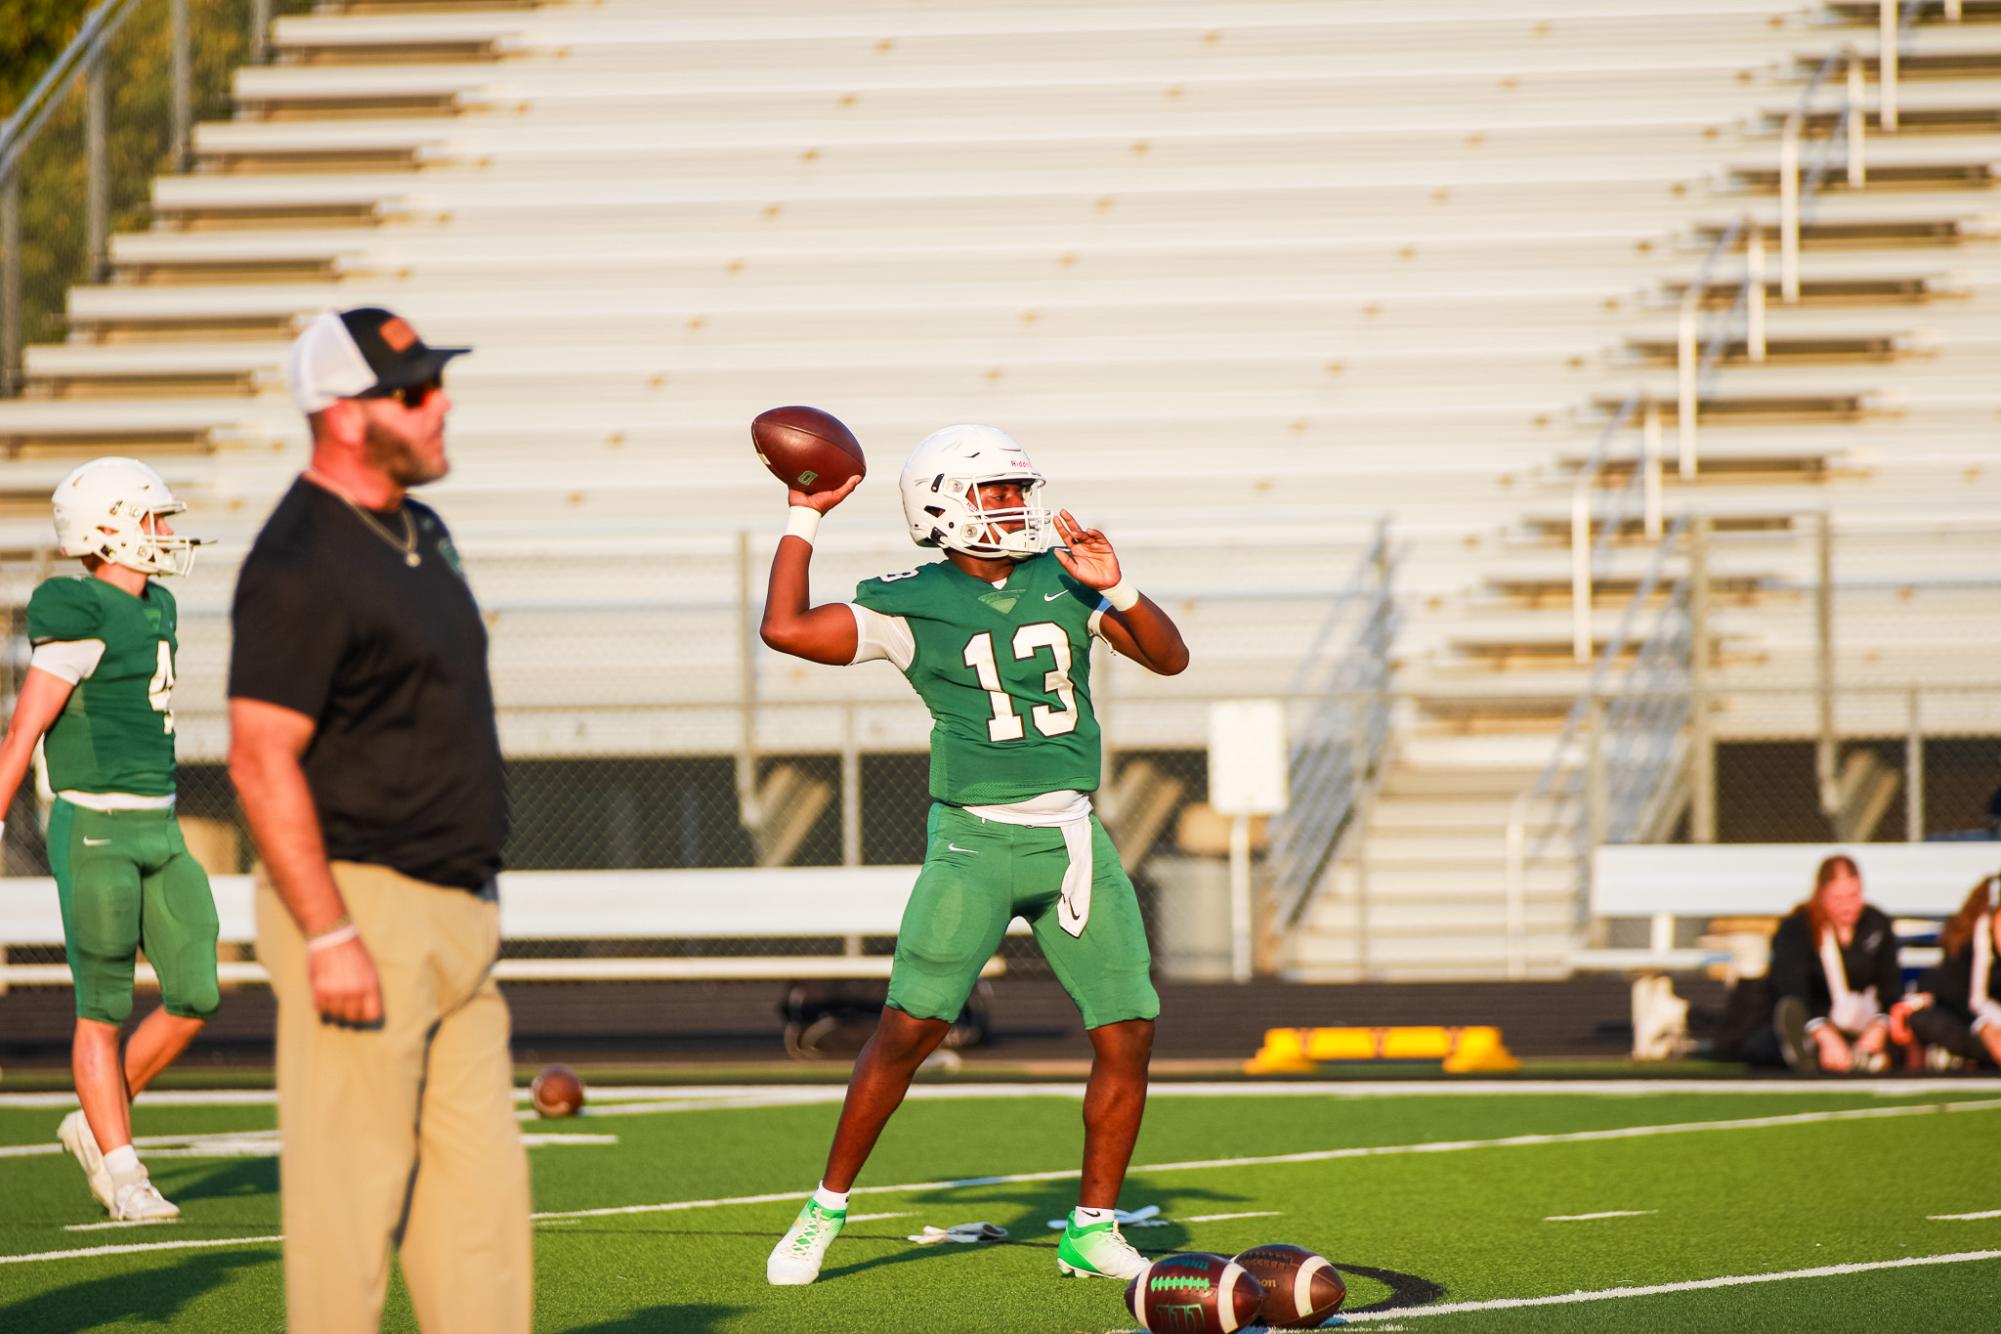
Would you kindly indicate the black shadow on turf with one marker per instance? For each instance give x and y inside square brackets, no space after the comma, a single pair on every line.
[149,1297]
[239,1177]
[690,1319]
[1406,1290]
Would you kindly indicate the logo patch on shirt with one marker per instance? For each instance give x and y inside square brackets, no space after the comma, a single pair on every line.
[1001,602]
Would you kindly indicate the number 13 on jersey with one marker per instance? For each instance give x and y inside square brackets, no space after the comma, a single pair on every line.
[1006,724]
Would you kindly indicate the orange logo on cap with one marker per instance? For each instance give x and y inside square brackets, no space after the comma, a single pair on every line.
[399,335]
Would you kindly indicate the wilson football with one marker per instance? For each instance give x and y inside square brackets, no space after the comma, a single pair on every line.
[1301,1289]
[557,1092]
[1194,1293]
[807,448]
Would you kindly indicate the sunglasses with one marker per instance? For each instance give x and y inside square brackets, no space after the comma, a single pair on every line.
[411,396]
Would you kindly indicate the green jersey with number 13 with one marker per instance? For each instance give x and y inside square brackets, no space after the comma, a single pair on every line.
[1006,673]
[116,733]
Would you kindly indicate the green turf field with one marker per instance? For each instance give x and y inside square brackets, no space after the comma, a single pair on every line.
[1772,1207]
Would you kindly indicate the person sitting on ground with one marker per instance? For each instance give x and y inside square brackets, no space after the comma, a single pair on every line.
[1956,1010]
[1834,972]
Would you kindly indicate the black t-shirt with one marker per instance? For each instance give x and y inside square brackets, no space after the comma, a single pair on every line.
[389,660]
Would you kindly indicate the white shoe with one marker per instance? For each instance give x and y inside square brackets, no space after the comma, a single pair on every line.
[1097,1251]
[796,1259]
[141,1202]
[74,1133]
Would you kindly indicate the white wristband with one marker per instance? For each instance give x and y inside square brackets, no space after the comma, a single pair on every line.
[1122,595]
[802,521]
[337,936]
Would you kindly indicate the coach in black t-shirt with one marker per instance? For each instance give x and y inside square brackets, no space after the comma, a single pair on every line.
[364,750]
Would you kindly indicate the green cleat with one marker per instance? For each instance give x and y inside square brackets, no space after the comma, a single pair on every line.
[1097,1251]
[796,1259]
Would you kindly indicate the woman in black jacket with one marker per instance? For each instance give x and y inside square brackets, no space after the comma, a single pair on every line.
[1957,1006]
[1834,973]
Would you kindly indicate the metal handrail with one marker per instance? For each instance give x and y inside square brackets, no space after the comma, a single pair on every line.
[1337,754]
[1518,850]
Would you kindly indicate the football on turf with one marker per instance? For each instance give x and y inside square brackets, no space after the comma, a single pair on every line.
[1301,1288]
[557,1092]
[807,448]
[1194,1293]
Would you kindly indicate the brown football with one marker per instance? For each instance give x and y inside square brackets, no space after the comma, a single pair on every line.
[557,1092]
[807,448]
[1194,1293]
[1301,1289]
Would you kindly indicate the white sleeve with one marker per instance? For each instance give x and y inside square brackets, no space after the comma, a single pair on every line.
[879,635]
[71,659]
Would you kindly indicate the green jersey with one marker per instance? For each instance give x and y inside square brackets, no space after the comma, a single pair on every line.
[1006,673]
[116,733]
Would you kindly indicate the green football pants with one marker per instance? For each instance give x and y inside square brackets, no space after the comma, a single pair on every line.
[125,879]
[978,876]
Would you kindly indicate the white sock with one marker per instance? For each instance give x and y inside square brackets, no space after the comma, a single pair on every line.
[123,1164]
[1083,1217]
[835,1201]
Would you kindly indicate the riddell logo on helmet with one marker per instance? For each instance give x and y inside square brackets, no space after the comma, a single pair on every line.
[398,334]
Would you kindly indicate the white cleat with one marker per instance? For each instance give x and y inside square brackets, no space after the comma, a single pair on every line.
[141,1202]
[74,1133]
[797,1257]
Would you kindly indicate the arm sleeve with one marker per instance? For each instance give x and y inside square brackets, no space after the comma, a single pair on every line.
[63,609]
[1791,960]
[879,635]
[71,659]
[1889,967]
[288,636]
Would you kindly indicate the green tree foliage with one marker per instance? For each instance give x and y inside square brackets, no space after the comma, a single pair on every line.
[138,65]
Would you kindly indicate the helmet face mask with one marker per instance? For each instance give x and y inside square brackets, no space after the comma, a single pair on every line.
[102,509]
[940,489]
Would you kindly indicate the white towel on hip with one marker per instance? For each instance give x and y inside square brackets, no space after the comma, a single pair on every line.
[1069,812]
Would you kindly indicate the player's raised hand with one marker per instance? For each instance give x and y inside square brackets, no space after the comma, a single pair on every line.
[823,500]
[1086,553]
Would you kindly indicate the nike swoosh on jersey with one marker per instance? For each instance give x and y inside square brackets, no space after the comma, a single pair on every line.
[956,848]
[1051,597]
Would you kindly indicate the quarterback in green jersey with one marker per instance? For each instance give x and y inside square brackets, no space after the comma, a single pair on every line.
[98,697]
[996,640]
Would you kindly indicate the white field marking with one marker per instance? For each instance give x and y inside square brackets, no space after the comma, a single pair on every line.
[256,1144]
[1963,1218]
[88,1252]
[1321,1156]
[809,1093]
[1608,1213]
[872,1218]
[1691,1285]
[1223,1218]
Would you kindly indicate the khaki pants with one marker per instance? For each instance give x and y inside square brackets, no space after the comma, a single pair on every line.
[404,1135]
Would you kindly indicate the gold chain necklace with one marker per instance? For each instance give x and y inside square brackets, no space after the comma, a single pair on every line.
[407,544]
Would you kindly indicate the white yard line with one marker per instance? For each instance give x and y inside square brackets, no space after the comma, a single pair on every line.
[260,1144]
[89,1252]
[1963,1218]
[873,1218]
[1224,1218]
[1608,1213]
[137,1222]
[789,1094]
[1657,1289]
[1323,1155]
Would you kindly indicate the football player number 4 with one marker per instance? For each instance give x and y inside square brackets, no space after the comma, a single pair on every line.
[1029,640]
[160,690]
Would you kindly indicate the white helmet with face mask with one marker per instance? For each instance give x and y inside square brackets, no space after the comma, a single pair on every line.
[941,497]
[101,510]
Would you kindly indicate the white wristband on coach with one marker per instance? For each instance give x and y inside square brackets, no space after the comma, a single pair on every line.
[340,935]
[802,521]
[1122,595]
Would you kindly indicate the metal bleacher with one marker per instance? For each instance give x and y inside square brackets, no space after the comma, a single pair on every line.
[1242,278]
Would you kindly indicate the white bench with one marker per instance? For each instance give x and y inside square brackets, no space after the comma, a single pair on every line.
[771,907]
[1664,882]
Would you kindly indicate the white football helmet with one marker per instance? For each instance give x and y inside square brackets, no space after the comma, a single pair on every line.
[941,499]
[101,509]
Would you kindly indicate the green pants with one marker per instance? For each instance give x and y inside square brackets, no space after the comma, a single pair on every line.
[125,879]
[978,876]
